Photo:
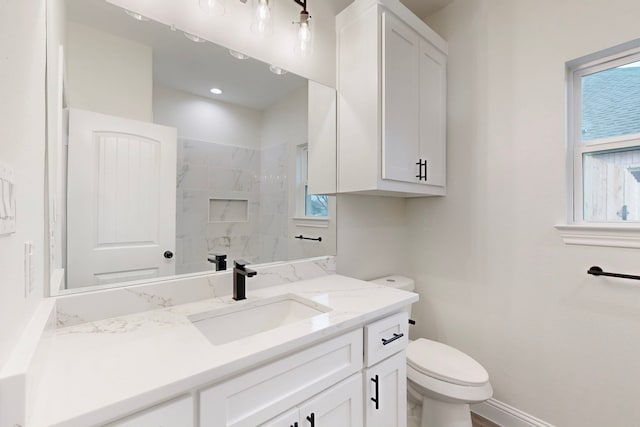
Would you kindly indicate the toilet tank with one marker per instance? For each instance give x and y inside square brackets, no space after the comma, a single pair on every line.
[398,282]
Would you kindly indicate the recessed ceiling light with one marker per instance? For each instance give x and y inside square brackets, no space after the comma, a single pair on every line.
[194,38]
[135,15]
[277,70]
[237,54]
[215,91]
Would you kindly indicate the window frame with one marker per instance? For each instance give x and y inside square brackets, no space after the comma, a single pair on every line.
[577,230]
[302,183]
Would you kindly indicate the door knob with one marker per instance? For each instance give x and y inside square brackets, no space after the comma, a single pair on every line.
[168,254]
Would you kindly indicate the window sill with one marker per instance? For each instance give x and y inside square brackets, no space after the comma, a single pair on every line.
[311,222]
[610,235]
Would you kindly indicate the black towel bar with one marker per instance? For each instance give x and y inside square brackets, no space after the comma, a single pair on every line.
[597,271]
[301,237]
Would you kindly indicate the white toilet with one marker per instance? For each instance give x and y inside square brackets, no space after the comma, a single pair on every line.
[443,379]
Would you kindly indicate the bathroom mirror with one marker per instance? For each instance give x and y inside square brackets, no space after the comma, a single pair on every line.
[164,149]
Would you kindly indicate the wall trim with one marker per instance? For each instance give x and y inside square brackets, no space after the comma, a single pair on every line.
[609,235]
[507,416]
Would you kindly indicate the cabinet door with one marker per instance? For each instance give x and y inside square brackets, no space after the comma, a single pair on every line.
[433,93]
[177,413]
[288,419]
[341,405]
[401,100]
[386,405]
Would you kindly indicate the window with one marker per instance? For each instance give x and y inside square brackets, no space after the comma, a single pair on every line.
[604,139]
[308,205]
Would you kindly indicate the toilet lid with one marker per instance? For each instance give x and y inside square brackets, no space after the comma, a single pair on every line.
[445,363]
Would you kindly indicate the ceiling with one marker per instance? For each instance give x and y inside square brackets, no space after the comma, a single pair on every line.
[192,67]
[197,67]
[424,8]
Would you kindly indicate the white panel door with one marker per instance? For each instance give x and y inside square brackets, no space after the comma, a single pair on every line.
[121,199]
[341,405]
[433,94]
[386,393]
[401,121]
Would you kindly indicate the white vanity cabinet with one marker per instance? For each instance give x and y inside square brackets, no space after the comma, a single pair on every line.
[178,412]
[391,102]
[341,405]
[280,387]
[385,379]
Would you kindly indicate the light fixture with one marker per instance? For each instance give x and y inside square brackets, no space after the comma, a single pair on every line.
[303,34]
[215,91]
[135,15]
[237,54]
[194,38]
[261,24]
[212,7]
[277,70]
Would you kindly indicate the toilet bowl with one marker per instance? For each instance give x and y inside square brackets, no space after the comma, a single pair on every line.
[443,379]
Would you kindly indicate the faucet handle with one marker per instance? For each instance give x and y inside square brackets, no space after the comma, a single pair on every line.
[240,264]
[216,257]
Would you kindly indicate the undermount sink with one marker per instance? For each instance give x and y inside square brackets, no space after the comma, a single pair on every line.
[247,318]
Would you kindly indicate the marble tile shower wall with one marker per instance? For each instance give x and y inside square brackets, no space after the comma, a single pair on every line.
[206,171]
[274,203]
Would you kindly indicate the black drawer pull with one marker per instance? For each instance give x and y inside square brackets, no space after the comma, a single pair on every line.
[312,419]
[377,398]
[390,340]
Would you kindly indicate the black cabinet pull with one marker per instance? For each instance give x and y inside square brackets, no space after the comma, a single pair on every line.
[390,340]
[168,254]
[312,419]
[422,176]
[377,398]
[294,424]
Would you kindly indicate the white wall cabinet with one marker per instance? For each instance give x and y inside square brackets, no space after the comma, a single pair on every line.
[391,102]
[341,405]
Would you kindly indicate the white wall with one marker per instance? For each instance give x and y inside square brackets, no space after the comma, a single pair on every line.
[286,122]
[22,136]
[108,74]
[206,119]
[371,236]
[494,276]
[232,30]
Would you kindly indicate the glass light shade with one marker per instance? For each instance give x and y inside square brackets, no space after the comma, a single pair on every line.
[212,7]
[304,36]
[262,22]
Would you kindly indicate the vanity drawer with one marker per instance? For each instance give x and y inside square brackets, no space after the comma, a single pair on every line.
[261,394]
[385,337]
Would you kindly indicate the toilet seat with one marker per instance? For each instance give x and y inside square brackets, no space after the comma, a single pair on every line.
[444,363]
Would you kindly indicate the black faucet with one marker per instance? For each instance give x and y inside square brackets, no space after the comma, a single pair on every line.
[239,275]
[220,261]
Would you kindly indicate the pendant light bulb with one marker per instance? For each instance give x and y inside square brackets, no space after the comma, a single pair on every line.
[304,36]
[212,7]
[262,14]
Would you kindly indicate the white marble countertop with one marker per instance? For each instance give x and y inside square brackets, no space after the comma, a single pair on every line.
[98,371]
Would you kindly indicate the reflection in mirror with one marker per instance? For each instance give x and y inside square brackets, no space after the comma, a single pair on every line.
[175,150]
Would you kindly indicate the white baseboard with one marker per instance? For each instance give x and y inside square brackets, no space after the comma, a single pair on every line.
[505,415]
